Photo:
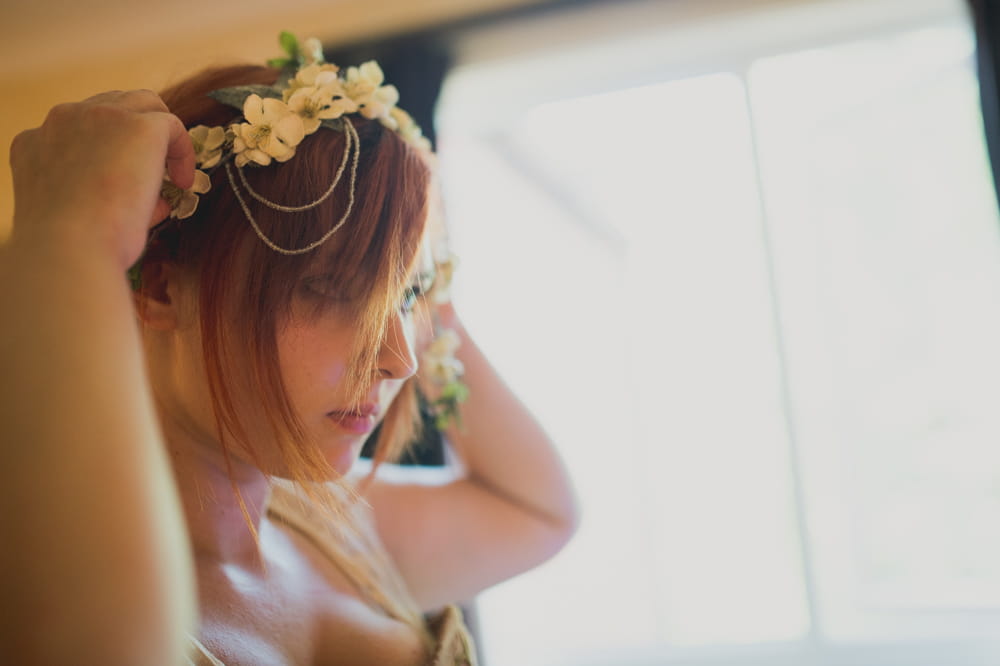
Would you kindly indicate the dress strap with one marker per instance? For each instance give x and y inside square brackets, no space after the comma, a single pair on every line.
[198,654]
[349,541]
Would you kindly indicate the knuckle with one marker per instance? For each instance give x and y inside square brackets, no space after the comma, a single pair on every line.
[107,113]
[149,124]
[103,97]
[146,96]
[17,143]
[60,111]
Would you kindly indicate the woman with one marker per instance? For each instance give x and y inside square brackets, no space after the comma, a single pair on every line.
[202,460]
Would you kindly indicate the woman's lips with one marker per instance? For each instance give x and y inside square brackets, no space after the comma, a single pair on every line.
[360,422]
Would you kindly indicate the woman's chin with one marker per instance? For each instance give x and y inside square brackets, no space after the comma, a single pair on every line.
[342,458]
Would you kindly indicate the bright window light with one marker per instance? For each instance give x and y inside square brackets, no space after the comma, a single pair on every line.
[759,311]
[887,251]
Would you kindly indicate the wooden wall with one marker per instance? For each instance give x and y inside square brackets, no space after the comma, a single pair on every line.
[53,51]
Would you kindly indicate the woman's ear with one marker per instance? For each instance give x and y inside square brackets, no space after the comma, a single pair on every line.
[157,300]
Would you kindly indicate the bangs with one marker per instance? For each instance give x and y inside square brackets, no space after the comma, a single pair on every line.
[379,237]
[366,263]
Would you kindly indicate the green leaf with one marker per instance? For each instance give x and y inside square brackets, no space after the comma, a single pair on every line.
[333,123]
[289,43]
[135,275]
[455,392]
[286,74]
[279,63]
[236,95]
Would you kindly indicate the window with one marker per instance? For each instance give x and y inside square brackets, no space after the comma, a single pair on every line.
[754,292]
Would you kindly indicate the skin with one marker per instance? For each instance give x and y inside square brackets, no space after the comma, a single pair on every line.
[313,358]
[94,539]
[120,515]
[276,577]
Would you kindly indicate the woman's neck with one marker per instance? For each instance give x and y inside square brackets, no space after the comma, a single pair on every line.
[210,491]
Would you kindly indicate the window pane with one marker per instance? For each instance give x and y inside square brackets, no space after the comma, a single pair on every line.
[886,240]
[622,236]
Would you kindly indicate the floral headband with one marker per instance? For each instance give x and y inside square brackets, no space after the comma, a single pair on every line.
[277,118]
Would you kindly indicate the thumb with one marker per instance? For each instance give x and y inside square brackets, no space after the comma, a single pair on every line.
[160,212]
[180,153]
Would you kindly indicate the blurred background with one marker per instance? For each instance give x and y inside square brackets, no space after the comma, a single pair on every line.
[742,257]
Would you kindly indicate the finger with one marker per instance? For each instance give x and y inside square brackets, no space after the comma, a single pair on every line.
[17,144]
[143,101]
[160,212]
[133,100]
[180,153]
[103,97]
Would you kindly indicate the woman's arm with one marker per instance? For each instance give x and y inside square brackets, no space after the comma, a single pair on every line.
[95,563]
[513,509]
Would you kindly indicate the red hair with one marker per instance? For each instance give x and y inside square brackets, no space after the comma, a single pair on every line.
[245,289]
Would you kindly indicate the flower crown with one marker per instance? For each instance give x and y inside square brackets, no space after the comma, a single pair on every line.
[308,95]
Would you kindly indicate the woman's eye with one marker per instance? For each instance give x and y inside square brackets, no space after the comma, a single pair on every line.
[410,295]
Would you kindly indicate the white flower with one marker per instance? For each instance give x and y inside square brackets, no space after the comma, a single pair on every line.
[184,202]
[207,144]
[446,343]
[403,123]
[441,291]
[439,360]
[272,131]
[364,86]
[316,104]
[311,51]
[312,76]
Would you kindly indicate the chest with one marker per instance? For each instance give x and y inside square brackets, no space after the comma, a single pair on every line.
[348,636]
[303,611]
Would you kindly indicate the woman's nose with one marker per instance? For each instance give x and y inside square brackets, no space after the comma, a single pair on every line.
[397,358]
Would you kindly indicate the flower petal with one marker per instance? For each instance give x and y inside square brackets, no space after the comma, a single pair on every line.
[284,157]
[185,207]
[273,110]
[253,109]
[202,183]
[288,130]
[310,125]
[372,72]
[388,95]
[198,133]
[258,156]
[209,160]
[215,138]
[312,50]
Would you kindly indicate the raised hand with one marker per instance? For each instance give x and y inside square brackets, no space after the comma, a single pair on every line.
[94,542]
[92,172]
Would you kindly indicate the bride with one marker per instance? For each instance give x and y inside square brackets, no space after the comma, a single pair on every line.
[177,456]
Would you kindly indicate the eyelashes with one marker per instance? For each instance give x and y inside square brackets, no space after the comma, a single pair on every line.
[421,287]
[410,296]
